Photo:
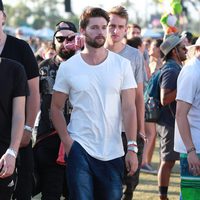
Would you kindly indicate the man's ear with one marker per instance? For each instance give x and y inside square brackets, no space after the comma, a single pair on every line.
[175,51]
[82,31]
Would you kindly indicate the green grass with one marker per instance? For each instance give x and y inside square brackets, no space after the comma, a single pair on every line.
[147,188]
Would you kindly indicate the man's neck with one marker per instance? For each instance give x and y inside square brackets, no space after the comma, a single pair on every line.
[94,56]
[115,47]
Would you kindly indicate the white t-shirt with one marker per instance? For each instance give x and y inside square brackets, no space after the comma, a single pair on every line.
[94,92]
[188,90]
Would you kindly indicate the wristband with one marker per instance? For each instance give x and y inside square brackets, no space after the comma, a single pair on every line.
[11,152]
[131,142]
[28,128]
[191,149]
[132,148]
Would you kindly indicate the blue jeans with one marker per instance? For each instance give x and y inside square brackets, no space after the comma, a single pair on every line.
[89,178]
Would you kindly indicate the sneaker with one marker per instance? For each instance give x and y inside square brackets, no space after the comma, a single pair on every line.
[147,168]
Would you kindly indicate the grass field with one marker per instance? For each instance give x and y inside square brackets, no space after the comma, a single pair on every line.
[147,188]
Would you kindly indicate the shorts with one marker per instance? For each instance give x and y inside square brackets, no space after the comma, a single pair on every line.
[166,134]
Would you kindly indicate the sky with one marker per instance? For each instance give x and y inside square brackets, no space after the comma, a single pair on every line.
[106,4]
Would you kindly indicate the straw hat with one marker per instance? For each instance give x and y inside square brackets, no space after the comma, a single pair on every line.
[170,42]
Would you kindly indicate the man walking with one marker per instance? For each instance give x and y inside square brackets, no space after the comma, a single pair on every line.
[51,174]
[100,86]
[21,52]
[175,53]
[187,140]
[117,28]
[13,89]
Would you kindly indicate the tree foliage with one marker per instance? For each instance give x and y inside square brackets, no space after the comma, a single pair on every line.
[37,14]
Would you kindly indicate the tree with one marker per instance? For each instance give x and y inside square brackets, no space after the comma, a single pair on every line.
[15,15]
[43,13]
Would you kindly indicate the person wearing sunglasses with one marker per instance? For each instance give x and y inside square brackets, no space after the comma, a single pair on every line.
[174,51]
[50,173]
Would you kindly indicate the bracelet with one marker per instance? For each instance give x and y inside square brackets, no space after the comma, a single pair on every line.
[11,152]
[132,148]
[28,128]
[191,149]
[131,142]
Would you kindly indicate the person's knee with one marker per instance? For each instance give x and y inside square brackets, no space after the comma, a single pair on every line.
[167,164]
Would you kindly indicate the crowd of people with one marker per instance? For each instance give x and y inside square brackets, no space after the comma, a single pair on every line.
[82,95]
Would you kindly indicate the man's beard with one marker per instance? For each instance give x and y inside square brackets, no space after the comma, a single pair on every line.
[66,54]
[93,43]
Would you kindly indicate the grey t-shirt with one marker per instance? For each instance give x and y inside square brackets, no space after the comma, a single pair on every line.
[137,62]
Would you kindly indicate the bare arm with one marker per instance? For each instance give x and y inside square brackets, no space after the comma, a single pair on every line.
[32,108]
[18,118]
[57,105]
[130,125]
[182,110]
[167,96]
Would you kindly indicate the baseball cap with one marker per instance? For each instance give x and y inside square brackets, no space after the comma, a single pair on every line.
[65,25]
[170,42]
[1,5]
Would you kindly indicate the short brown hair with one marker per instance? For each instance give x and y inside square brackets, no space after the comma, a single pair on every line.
[134,26]
[120,11]
[92,12]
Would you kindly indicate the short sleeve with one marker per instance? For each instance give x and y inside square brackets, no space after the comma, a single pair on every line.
[186,86]
[169,79]
[21,84]
[140,71]
[128,77]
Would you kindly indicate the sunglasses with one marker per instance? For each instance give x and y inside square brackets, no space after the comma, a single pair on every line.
[61,39]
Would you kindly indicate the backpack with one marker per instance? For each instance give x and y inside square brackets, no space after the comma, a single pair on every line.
[152,98]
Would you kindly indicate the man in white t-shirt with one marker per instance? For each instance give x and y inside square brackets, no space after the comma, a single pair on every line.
[101,88]
[187,129]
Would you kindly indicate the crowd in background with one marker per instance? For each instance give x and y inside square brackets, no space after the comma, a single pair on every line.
[145,57]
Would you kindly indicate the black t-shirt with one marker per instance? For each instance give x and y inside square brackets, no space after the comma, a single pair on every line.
[48,70]
[13,83]
[168,80]
[20,51]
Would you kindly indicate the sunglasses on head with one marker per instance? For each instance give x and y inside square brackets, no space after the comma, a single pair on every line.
[61,39]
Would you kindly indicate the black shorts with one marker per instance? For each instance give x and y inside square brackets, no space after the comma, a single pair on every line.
[166,134]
